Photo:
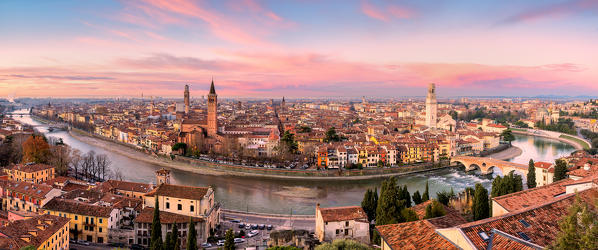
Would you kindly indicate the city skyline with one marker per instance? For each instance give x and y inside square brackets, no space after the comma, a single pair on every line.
[297,49]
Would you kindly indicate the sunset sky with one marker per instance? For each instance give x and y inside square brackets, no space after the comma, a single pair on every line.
[253,48]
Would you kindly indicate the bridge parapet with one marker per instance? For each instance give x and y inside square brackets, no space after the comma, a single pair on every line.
[487,165]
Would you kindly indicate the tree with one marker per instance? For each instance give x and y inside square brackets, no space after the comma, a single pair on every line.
[192,235]
[444,197]
[388,210]
[560,170]
[284,248]
[175,237]
[426,195]
[331,135]
[481,205]
[405,196]
[288,139]
[507,135]
[417,198]
[531,174]
[579,229]
[505,185]
[369,203]
[60,158]
[434,209]
[409,214]
[168,243]
[156,233]
[179,146]
[229,240]
[36,149]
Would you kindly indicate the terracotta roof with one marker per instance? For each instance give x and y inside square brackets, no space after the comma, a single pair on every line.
[44,227]
[413,235]
[530,197]
[178,191]
[129,186]
[31,189]
[30,168]
[147,216]
[501,240]
[77,207]
[544,165]
[343,214]
[539,223]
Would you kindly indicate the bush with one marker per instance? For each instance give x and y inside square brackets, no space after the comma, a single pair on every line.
[343,244]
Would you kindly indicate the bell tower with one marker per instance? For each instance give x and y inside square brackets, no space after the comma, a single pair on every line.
[212,111]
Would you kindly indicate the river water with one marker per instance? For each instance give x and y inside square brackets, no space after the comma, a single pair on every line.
[300,196]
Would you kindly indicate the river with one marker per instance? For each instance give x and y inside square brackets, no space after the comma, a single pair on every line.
[300,196]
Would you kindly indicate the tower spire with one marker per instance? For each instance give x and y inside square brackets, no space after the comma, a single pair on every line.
[212,89]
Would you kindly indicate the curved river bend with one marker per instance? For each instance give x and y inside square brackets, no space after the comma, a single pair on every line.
[300,196]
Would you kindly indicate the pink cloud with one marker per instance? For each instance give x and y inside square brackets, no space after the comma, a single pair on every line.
[258,74]
[555,10]
[386,14]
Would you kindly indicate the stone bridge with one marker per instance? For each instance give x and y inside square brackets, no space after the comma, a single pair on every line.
[488,165]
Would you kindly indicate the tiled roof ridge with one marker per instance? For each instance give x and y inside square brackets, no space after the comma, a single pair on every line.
[530,190]
[517,212]
[334,208]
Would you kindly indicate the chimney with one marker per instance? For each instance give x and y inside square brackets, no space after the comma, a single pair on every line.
[586,167]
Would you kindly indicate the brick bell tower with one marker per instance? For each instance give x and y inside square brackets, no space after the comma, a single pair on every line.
[212,111]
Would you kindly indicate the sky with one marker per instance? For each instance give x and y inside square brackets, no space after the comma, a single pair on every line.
[298,48]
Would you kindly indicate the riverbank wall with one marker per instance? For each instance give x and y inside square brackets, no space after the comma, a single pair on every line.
[212,168]
[577,142]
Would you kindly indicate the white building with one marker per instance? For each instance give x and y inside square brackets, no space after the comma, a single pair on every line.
[342,223]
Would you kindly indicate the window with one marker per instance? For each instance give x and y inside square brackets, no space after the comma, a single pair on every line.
[523,236]
[167,205]
[76,218]
[525,224]
[100,219]
[180,207]
[346,231]
[100,229]
[484,236]
[346,223]
[192,208]
[337,231]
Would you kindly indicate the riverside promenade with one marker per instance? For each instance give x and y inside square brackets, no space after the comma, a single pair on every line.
[575,141]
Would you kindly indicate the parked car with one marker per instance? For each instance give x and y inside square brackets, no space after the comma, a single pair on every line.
[253,233]
[117,244]
[254,226]
[262,226]
[206,245]
[220,243]
[248,227]
[241,225]
[235,221]
[269,227]
[85,243]
[239,240]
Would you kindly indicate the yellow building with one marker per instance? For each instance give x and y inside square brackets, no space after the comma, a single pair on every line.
[189,201]
[125,188]
[41,232]
[25,196]
[33,173]
[88,222]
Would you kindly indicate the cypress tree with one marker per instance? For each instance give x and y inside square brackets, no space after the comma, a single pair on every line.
[229,240]
[192,235]
[409,214]
[175,237]
[417,198]
[481,205]
[426,194]
[388,210]
[168,243]
[156,233]
[367,205]
[406,196]
[435,209]
[560,170]
[531,174]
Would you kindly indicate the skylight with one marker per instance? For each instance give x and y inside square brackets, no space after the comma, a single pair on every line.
[523,236]
[525,224]
[484,236]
